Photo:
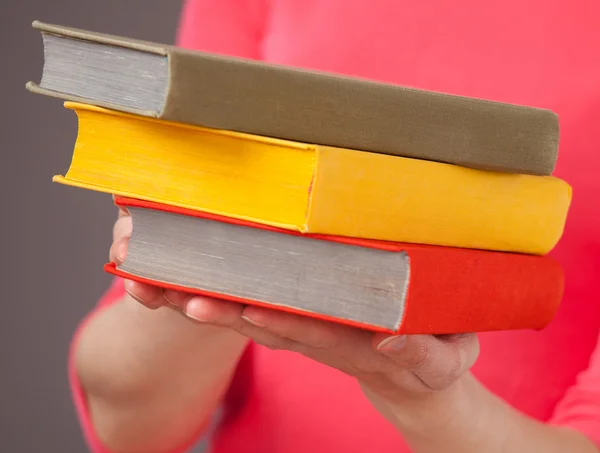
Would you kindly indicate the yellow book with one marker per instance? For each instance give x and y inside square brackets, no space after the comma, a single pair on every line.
[315,189]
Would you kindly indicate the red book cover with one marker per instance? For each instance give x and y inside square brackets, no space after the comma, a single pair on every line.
[450,290]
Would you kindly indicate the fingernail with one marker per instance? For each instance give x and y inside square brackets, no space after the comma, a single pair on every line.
[169,301]
[195,318]
[392,343]
[133,296]
[252,321]
[193,309]
[139,300]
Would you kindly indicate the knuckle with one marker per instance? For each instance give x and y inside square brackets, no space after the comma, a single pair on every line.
[421,355]
[325,342]
[453,368]
[380,365]
[374,364]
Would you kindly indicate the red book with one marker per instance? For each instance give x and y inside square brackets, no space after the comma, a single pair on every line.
[377,285]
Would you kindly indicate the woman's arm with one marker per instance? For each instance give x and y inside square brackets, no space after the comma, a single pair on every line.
[469,419]
[151,379]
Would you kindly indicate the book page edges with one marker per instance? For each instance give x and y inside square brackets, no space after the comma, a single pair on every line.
[296,149]
[391,247]
[111,40]
[111,268]
[65,180]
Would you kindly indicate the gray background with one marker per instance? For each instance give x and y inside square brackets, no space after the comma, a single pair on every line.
[55,239]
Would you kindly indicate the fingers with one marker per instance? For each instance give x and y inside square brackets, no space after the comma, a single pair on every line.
[121,233]
[122,228]
[230,315]
[311,332]
[118,251]
[177,299]
[147,295]
[342,347]
[436,362]
[154,297]
[212,311]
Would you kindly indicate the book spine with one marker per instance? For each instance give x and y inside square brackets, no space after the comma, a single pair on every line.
[418,201]
[458,290]
[338,111]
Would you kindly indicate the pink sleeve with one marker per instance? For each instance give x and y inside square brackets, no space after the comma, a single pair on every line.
[233,27]
[229,27]
[580,407]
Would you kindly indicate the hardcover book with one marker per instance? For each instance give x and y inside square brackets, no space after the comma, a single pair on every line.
[380,286]
[315,189]
[216,91]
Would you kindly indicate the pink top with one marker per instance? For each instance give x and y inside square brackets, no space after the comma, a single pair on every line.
[542,53]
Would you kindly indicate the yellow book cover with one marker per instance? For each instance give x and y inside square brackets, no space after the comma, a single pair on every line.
[315,189]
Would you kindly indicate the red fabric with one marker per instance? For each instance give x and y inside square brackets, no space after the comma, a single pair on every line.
[541,52]
[446,287]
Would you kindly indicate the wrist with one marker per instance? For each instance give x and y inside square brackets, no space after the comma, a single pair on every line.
[467,418]
[464,414]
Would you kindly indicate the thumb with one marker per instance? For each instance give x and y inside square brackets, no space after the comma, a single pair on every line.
[436,361]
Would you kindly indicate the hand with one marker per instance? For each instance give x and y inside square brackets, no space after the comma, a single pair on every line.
[402,371]
[150,296]
[420,383]
[397,369]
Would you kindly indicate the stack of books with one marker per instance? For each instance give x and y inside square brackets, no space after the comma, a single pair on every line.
[374,205]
